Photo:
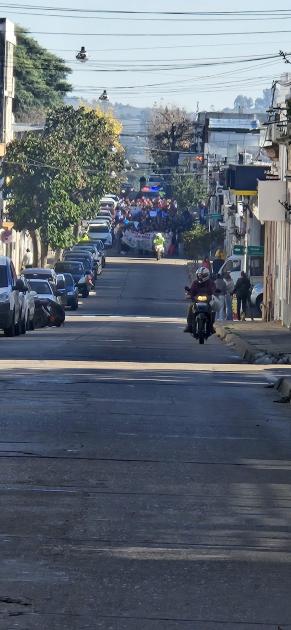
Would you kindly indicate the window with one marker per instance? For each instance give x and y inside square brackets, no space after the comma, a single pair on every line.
[257,266]
[232,265]
[13,273]
[98,229]
[3,277]
[41,287]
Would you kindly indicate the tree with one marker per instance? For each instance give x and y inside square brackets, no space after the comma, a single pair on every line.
[188,190]
[243,103]
[170,131]
[41,79]
[54,179]
[196,242]
[199,241]
[263,103]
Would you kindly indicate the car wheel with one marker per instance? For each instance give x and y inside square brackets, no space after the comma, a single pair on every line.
[23,326]
[10,331]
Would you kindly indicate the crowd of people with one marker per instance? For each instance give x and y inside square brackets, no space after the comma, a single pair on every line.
[226,290]
[150,215]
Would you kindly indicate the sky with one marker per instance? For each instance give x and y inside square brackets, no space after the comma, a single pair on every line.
[154,59]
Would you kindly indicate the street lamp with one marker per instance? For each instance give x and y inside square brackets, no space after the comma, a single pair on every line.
[82,55]
[104,96]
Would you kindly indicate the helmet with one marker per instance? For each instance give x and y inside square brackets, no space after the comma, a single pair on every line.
[202,274]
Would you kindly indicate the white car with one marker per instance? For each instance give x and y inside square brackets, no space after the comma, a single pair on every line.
[101,219]
[108,203]
[43,290]
[27,300]
[100,232]
[10,303]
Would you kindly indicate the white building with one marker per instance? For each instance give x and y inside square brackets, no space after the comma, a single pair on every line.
[274,208]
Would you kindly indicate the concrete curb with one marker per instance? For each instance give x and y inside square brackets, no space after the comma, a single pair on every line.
[248,352]
[283,386]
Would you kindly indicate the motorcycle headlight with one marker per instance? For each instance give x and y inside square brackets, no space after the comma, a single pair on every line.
[202,298]
[4,297]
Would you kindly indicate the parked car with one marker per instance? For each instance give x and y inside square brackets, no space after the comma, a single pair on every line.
[48,308]
[83,257]
[100,220]
[10,302]
[100,232]
[61,289]
[72,292]
[257,296]
[105,213]
[101,249]
[97,257]
[74,267]
[77,269]
[98,246]
[27,300]
[44,290]
[109,203]
[40,273]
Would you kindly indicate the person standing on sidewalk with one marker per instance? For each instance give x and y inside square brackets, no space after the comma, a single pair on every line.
[27,259]
[228,297]
[242,290]
[220,293]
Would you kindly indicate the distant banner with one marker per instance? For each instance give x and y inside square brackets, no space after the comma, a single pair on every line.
[137,240]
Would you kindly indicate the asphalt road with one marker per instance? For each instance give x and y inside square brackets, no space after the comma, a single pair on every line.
[145,481]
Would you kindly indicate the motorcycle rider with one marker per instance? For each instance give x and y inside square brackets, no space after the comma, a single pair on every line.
[159,241]
[202,285]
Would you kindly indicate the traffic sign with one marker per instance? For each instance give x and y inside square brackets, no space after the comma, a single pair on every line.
[255,250]
[239,250]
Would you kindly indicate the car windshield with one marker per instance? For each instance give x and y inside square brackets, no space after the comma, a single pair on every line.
[3,276]
[69,267]
[98,229]
[42,275]
[69,281]
[41,287]
[74,256]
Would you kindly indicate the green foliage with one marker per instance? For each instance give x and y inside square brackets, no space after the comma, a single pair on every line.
[199,241]
[195,242]
[54,179]
[189,190]
[41,79]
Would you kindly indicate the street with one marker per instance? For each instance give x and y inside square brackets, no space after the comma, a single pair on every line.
[145,480]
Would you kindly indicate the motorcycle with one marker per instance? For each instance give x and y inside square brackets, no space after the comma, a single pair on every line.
[202,317]
[159,251]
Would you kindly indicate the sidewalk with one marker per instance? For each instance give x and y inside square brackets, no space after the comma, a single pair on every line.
[257,341]
[261,343]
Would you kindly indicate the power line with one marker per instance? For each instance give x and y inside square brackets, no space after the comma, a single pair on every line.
[145,13]
[173,19]
[131,34]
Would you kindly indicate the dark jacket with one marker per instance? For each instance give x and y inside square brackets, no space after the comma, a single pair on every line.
[198,288]
[242,287]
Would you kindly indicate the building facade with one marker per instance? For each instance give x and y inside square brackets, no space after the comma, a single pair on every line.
[274,208]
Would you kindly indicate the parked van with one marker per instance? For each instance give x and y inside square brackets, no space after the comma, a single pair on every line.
[253,265]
